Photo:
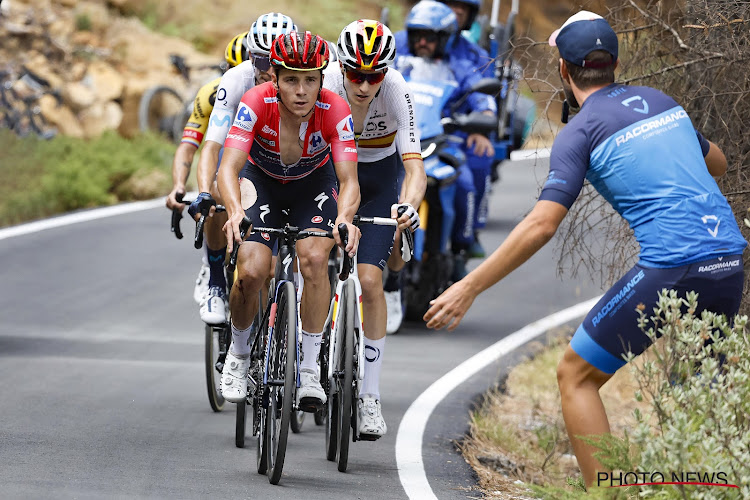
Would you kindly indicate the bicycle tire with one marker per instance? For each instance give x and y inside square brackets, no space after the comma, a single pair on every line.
[281,366]
[240,419]
[259,412]
[330,417]
[347,380]
[298,418]
[213,377]
[155,116]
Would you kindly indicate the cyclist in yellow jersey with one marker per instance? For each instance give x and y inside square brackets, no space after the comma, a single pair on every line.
[192,137]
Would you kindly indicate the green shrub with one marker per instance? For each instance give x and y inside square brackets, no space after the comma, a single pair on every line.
[700,407]
[44,178]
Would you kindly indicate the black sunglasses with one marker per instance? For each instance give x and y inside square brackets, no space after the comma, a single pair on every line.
[417,35]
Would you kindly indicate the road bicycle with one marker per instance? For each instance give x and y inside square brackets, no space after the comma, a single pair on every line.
[165,110]
[217,337]
[19,110]
[273,376]
[342,355]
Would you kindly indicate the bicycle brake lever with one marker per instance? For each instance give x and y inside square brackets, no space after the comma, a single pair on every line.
[245,226]
[347,262]
[176,217]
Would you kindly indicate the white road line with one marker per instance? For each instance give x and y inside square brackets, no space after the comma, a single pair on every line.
[74,218]
[411,430]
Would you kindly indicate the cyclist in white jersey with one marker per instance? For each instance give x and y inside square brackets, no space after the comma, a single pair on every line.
[232,87]
[384,126]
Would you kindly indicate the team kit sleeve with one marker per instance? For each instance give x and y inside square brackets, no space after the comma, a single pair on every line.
[242,133]
[196,126]
[569,161]
[407,134]
[338,129]
[228,95]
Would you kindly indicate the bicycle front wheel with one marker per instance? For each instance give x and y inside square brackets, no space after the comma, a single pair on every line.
[282,379]
[346,378]
[214,339]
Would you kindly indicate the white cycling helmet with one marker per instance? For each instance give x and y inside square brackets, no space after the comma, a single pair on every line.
[265,29]
[366,44]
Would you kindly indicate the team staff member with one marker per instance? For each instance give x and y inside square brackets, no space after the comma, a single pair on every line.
[290,141]
[639,149]
[384,126]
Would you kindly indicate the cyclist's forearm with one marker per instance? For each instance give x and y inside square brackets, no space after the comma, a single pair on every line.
[183,161]
[415,182]
[232,162]
[207,165]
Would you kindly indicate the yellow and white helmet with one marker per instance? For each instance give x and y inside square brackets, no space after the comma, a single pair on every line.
[366,44]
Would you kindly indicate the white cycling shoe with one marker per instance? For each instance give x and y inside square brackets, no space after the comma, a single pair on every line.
[214,307]
[371,423]
[201,284]
[234,378]
[310,395]
[395,315]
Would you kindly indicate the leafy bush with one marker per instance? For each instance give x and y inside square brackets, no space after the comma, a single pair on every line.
[44,178]
[697,380]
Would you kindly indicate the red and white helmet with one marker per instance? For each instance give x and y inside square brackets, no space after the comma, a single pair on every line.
[299,52]
[366,44]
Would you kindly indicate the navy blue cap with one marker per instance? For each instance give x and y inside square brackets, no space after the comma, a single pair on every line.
[582,34]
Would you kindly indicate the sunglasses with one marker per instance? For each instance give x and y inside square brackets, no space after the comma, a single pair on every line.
[261,63]
[355,76]
[429,36]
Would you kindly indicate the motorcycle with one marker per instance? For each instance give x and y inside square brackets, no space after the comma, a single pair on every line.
[429,272]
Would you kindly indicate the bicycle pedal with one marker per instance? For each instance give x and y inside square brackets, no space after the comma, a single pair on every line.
[369,437]
[310,405]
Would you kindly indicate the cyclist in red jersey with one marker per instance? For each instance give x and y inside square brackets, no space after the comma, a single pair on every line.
[290,142]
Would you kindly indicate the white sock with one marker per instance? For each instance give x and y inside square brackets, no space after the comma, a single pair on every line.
[373,361]
[205,253]
[299,283]
[241,341]
[310,350]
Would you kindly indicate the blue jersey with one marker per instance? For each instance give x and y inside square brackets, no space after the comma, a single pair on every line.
[640,151]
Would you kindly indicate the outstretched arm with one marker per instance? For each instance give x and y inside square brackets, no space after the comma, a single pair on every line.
[531,234]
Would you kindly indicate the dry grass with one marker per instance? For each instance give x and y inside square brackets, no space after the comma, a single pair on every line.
[518,434]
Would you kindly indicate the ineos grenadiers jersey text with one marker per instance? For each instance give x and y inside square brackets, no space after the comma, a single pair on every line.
[328,133]
[390,123]
[232,87]
[203,104]
[640,151]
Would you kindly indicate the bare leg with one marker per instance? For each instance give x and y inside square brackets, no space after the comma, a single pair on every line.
[373,300]
[583,410]
[313,258]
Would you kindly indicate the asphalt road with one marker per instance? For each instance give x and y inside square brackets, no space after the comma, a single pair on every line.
[103,391]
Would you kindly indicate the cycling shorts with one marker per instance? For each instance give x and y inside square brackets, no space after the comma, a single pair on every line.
[311,202]
[610,329]
[378,187]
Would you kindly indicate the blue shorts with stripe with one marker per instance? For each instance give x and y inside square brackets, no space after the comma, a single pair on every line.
[379,187]
[610,329]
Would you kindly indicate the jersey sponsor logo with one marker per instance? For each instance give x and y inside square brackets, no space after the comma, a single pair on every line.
[654,126]
[316,143]
[317,219]
[551,179]
[245,118]
[642,109]
[625,293]
[321,198]
[269,100]
[193,125]
[264,210]
[372,126]
[715,231]
[322,105]
[268,130]
[345,128]
[190,133]
[267,141]
[221,95]
[350,150]
[719,266]
[329,223]
[237,137]
[265,236]
[224,121]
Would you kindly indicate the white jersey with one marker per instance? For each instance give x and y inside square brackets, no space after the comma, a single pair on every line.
[390,123]
[232,87]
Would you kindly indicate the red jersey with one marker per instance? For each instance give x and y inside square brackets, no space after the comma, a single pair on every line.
[328,132]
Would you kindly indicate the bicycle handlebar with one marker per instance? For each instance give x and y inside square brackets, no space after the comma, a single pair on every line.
[244,227]
[177,216]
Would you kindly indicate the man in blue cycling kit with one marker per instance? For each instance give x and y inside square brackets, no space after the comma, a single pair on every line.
[640,151]
[431,32]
